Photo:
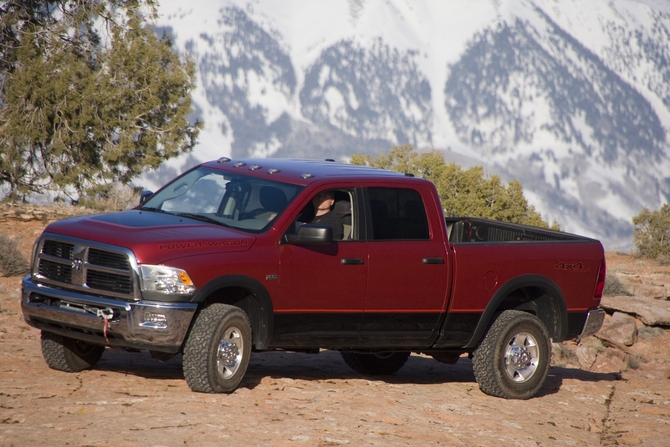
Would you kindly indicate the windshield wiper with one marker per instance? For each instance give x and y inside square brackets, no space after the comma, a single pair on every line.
[200,217]
[155,210]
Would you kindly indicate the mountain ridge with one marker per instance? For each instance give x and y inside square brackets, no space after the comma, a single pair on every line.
[572,99]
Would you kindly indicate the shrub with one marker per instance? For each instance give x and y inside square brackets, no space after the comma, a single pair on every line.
[12,261]
[116,197]
[614,286]
[652,233]
[561,356]
[649,332]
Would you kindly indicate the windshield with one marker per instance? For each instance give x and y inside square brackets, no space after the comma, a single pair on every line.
[233,200]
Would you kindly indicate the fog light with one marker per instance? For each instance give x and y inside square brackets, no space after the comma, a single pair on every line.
[155,320]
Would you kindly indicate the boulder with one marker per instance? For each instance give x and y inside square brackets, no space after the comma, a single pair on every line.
[620,328]
[611,360]
[587,352]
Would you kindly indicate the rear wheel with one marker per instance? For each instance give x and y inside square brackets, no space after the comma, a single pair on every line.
[513,359]
[375,364]
[67,354]
[217,350]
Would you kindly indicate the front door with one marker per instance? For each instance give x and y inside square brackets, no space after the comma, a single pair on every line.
[322,288]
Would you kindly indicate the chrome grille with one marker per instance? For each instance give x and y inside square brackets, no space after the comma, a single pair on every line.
[78,265]
[58,249]
[54,270]
[108,259]
[108,281]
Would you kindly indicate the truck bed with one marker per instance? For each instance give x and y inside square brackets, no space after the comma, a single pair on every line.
[466,230]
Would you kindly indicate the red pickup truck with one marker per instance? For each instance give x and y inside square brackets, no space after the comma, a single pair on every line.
[225,259]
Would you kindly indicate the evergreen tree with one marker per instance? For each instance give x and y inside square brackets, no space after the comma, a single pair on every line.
[466,193]
[89,96]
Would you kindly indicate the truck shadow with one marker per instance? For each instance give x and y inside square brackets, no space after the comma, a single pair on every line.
[328,365]
[557,375]
[139,364]
[419,369]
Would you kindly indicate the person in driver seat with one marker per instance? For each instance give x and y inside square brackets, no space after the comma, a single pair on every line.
[323,203]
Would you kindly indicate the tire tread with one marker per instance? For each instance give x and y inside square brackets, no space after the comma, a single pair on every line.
[60,353]
[197,366]
[486,362]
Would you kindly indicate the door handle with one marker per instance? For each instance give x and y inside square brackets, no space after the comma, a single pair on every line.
[351,261]
[433,260]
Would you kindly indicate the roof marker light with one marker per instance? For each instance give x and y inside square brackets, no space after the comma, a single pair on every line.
[239,164]
[274,171]
[224,160]
[307,175]
[255,167]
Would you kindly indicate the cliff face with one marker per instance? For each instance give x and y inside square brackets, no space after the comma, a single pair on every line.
[26,212]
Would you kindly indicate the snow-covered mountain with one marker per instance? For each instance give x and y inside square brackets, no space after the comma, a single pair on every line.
[572,97]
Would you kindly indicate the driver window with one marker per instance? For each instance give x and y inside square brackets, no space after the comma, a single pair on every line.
[333,207]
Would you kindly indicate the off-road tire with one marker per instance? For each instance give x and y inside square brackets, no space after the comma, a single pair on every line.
[383,363]
[67,354]
[217,349]
[513,360]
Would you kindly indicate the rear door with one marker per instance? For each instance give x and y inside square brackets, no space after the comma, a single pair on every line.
[407,271]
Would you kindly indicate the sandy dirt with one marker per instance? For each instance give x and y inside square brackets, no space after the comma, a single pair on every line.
[292,399]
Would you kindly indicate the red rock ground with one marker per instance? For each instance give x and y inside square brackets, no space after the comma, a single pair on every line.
[290,399]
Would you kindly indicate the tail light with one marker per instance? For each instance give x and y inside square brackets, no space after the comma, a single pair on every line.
[600,285]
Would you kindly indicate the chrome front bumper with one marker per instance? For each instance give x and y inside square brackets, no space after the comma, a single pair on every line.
[134,324]
[594,321]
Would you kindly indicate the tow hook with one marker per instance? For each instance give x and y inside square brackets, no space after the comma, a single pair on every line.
[106,314]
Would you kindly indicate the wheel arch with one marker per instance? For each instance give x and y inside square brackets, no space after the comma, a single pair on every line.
[534,294]
[249,295]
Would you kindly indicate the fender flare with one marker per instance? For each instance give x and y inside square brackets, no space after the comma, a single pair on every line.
[552,310]
[257,304]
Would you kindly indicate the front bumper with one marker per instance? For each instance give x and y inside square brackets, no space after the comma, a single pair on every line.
[140,324]
[593,323]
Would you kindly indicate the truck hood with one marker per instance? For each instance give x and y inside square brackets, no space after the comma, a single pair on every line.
[154,237]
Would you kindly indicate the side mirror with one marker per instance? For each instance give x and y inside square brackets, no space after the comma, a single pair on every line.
[310,234]
[145,195]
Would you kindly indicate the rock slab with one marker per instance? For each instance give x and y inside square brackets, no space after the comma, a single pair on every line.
[652,312]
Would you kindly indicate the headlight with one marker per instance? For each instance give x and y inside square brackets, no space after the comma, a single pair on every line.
[168,280]
[33,259]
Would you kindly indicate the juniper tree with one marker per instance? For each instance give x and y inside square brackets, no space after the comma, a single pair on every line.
[462,192]
[651,233]
[89,96]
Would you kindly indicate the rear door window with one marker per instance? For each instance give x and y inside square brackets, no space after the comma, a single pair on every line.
[397,214]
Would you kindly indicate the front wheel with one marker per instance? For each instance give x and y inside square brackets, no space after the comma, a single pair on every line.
[375,364]
[217,350]
[512,361]
[67,354]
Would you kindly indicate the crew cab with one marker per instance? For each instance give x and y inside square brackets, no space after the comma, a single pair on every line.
[224,260]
